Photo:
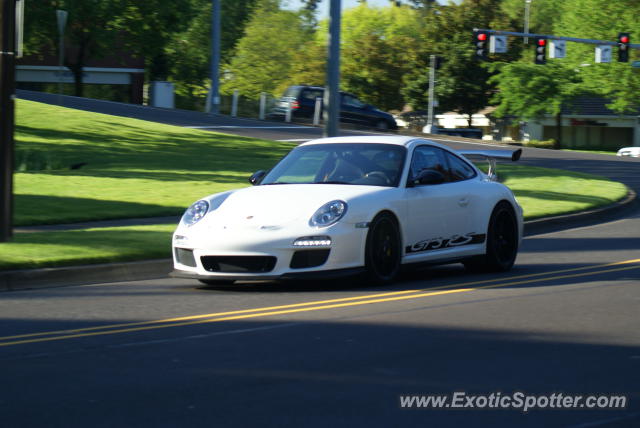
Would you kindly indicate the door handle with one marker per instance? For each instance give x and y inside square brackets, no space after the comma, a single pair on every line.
[463,202]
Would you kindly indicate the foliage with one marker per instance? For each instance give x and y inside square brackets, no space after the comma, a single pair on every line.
[616,81]
[91,28]
[530,91]
[541,144]
[542,14]
[463,82]
[265,53]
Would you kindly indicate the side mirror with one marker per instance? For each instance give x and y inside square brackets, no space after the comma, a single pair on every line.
[257,176]
[427,176]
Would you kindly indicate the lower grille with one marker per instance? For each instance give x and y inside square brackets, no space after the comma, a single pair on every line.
[309,258]
[238,264]
[185,257]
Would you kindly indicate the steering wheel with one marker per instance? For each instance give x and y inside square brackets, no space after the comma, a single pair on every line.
[378,175]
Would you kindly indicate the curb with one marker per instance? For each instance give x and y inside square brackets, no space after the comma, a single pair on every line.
[155,269]
[26,279]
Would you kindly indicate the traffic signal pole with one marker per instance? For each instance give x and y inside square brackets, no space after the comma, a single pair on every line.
[552,37]
[7,95]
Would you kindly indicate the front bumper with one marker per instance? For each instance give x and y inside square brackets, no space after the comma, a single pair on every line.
[251,254]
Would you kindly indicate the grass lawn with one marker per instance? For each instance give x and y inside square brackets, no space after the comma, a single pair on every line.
[597,152]
[544,192]
[78,247]
[134,168]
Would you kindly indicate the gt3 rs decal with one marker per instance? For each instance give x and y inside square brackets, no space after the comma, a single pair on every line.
[440,243]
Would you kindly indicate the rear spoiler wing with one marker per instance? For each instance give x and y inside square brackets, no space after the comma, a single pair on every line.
[492,156]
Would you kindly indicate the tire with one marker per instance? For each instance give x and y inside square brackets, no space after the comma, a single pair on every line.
[214,282]
[383,250]
[502,242]
[382,125]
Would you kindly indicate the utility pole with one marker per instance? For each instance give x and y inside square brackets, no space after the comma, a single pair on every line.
[214,94]
[61,17]
[432,90]
[527,10]
[332,91]
[7,95]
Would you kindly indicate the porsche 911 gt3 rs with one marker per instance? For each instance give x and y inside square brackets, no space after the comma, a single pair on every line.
[347,205]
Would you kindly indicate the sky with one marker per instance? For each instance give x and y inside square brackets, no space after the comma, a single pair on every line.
[323,7]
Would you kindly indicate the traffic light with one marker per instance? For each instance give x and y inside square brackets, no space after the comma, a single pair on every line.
[541,50]
[624,39]
[481,43]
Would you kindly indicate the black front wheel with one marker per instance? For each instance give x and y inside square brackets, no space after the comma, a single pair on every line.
[383,249]
[502,242]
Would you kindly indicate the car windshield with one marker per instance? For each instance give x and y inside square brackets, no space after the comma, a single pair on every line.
[366,164]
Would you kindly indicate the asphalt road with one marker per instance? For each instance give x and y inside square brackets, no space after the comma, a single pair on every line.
[169,353]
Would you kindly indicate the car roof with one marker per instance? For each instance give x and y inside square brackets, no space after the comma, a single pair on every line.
[400,140]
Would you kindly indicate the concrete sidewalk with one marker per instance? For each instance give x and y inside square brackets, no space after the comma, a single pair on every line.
[154,269]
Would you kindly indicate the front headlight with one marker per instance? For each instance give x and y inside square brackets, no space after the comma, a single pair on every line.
[328,214]
[195,213]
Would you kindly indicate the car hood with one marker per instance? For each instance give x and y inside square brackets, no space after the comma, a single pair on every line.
[276,205]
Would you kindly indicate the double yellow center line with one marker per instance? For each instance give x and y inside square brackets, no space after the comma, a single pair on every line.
[319,304]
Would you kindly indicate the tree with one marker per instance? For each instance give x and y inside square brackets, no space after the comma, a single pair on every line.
[542,14]
[91,28]
[616,81]
[98,28]
[463,82]
[529,91]
[380,46]
[189,51]
[264,54]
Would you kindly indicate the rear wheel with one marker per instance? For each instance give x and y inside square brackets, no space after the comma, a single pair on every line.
[502,242]
[383,249]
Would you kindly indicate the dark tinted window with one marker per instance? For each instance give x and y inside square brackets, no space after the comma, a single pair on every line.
[429,158]
[292,91]
[460,170]
[352,101]
[312,94]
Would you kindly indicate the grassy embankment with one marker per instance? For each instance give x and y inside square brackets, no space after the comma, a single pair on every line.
[130,168]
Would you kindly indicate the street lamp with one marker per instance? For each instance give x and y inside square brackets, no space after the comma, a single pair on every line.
[527,7]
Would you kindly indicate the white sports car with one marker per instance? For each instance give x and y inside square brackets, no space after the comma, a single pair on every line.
[347,205]
[633,152]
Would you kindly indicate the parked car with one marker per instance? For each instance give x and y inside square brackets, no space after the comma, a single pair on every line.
[302,100]
[346,205]
[633,152]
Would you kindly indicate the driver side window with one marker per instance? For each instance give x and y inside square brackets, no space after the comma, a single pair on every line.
[427,158]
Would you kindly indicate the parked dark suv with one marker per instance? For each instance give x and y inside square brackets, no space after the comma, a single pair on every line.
[352,110]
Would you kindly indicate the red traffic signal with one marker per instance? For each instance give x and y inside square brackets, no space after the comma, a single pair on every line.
[480,39]
[624,39]
[541,51]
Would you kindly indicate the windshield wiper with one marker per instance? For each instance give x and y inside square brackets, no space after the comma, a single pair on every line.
[273,184]
[330,182]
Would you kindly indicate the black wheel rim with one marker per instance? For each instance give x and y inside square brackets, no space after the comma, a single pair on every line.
[505,238]
[385,249]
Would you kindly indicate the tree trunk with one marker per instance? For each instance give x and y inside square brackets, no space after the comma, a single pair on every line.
[558,143]
[77,70]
